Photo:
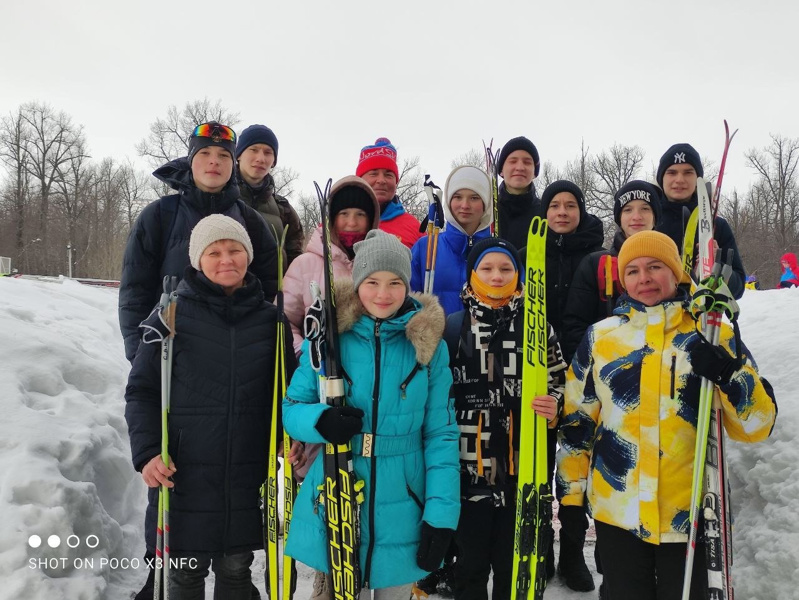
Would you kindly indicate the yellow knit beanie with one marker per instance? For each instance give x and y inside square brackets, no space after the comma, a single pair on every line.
[654,245]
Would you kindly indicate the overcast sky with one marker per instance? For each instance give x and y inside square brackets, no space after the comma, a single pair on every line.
[436,77]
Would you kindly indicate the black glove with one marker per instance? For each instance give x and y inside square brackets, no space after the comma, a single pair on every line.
[339,423]
[713,362]
[433,546]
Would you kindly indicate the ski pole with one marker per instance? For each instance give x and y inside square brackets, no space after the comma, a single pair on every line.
[162,567]
[435,221]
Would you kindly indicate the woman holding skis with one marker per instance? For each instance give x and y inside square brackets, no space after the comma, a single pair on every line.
[628,430]
[221,388]
[397,384]
[468,212]
[486,344]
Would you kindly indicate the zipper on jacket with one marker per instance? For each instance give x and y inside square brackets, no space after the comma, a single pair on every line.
[673,372]
[414,496]
[231,398]
[348,381]
[373,466]
[404,384]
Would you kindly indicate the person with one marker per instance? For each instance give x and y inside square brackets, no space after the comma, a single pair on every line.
[486,344]
[636,207]
[790,271]
[573,234]
[678,170]
[752,282]
[219,418]
[354,212]
[628,428]
[377,164]
[397,390]
[468,213]
[517,203]
[159,241]
[256,156]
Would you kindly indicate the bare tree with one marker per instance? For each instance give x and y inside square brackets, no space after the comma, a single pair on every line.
[14,136]
[307,207]
[472,157]
[776,167]
[52,144]
[609,171]
[169,137]
[284,177]
[410,188]
[73,197]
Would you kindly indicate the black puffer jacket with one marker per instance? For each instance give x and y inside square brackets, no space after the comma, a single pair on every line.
[515,214]
[564,253]
[149,257]
[673,222]
[223,369]
[277,212]
[585,305]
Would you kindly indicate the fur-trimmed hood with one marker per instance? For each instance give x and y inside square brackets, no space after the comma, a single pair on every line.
[424,326]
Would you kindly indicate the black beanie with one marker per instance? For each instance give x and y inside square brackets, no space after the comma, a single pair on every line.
[519,143]
[679,154]
[352,196]
[484,246]
[256,134]
[555,188]
[197,143]
[637,190]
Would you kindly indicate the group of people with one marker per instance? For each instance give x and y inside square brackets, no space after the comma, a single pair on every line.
[433,379]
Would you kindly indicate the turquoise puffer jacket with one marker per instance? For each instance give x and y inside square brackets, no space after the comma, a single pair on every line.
[415,477]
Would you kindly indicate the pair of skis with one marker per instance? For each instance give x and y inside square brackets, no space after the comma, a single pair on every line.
[492,160]
[533,531]
[709,487]
[343,493]
[433,224]
[269,491]
[689,239]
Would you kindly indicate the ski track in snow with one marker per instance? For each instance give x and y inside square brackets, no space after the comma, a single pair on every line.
[65,458]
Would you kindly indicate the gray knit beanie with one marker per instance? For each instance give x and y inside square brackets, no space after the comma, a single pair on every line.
[381,251]
[212,229]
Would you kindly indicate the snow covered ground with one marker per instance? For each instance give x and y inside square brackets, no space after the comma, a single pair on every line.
[71,506]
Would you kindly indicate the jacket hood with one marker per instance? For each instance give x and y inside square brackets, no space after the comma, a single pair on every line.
[177,175]
[455,179]
[356,182]
[423,327]
[790,258]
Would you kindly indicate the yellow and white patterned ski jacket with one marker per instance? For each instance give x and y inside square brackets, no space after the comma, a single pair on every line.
[629,425]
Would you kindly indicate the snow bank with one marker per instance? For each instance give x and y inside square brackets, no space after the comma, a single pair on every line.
[64,451]
[65,460]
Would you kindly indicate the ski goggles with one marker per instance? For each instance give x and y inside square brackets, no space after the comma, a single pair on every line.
[216,131]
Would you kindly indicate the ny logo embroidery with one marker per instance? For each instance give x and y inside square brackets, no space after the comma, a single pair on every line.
[679,157]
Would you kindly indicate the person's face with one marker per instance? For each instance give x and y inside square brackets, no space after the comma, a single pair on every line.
[382,294]
[467,208]
[352,219]
[636,215]
[255,163]
[679,182]
[518,171]
[496,269]
[211,168]
[383,182]
[649,280]
[225,263]
[563,213]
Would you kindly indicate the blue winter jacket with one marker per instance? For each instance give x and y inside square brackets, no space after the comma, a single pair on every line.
[454,245]
[400,378]
[450,268]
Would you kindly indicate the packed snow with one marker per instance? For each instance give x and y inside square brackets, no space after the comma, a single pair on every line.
[72,506]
